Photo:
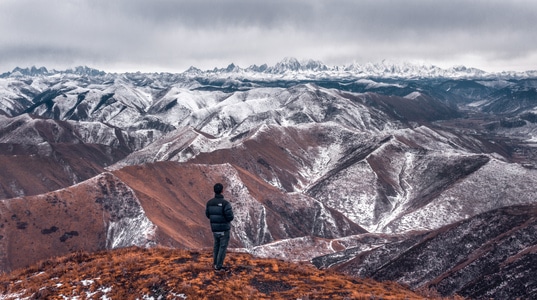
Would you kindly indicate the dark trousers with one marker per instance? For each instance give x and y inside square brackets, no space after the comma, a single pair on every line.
[221,239]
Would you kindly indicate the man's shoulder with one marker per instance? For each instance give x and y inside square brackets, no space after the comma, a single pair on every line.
[218,201]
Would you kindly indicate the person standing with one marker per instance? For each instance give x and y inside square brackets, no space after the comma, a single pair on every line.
[220,214]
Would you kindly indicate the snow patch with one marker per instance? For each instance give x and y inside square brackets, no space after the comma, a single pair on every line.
[139,231]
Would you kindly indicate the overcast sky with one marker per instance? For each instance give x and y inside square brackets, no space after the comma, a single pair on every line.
[172,35]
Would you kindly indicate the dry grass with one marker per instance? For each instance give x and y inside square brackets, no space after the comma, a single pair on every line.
[163,273]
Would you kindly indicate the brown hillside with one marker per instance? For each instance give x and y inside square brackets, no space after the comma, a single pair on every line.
[78,218]
[161,203]
[280,154]
[173,196]
[163,273]
[39,155]
[30,170]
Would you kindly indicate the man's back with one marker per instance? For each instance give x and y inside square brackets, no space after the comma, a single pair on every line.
[220,213]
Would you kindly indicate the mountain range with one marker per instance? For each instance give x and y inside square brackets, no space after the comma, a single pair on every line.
[372,170]
[291,67]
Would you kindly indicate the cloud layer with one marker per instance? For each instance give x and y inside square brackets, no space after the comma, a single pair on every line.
[171,35]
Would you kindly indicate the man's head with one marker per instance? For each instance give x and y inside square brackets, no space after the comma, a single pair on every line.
[218,188]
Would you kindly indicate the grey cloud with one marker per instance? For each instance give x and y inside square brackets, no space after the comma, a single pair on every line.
[211,14]
[177,34]
[375,16]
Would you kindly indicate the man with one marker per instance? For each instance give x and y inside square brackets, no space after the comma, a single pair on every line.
[220,213]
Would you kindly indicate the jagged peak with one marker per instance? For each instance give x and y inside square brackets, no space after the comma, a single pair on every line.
[84,70]
[294,65]
[256,68]
[30,71]
[193,70]
[232,68]
[43,71]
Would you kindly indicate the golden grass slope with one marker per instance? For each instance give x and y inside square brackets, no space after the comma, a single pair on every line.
[165,273]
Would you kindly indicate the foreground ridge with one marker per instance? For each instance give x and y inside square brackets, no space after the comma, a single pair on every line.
[164,273]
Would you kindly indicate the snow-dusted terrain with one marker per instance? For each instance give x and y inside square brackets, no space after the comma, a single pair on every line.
[314,156]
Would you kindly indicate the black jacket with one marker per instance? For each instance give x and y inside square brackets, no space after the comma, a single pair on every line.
[220,213]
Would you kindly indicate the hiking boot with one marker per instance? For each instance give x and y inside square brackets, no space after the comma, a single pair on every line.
[221,269]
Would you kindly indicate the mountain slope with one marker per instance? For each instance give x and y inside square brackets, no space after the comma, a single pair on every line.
[162,273]
[161,203]
[100,213]
[491,255]
[41,155]
[377,167]
[174,195]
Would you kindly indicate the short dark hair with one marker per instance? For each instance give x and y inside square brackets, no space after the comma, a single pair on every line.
[218,188]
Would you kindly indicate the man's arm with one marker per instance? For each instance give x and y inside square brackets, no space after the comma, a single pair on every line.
[228,212]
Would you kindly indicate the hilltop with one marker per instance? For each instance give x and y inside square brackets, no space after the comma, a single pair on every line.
[166,273]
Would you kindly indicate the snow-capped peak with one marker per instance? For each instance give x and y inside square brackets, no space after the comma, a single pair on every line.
[292,68]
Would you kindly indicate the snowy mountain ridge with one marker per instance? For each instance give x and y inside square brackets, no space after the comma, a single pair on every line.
[293,69]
